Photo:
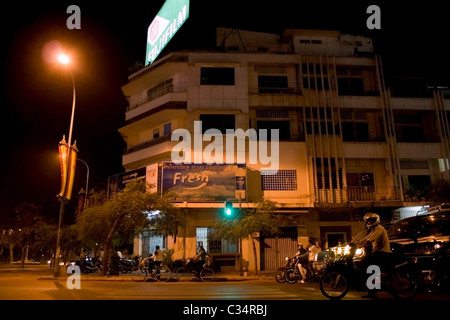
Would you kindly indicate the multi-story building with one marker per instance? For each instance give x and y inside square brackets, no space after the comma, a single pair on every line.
[346,143]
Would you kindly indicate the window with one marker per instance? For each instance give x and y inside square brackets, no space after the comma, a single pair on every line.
[355,127]
[418,184]
[350,82]
[217,76]
[314,75]
[325,125]
[214,245]
[355,131]
[415,126]
[160,89]
[283,180]
[313,41]
[222,122]
[272,84]
[360,179]
[324,173]
[360,186]
[167,129]
[156,133]
[284,129]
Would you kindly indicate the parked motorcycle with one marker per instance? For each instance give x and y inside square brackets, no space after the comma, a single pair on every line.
[128,265]
[343,274]
[89,265]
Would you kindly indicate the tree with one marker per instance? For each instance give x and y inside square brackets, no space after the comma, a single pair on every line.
[438,192]
[120,218]
[25,224]
[256,220]
[252,221]
[165,221]
[43,245]
[168,218]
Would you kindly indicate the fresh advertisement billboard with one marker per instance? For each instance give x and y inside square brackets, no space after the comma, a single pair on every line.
[166,23]
[204,182]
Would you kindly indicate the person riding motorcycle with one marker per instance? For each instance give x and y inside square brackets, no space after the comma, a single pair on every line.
[375,241]
[311,251]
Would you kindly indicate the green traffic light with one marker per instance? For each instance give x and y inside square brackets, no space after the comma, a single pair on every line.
[228,210]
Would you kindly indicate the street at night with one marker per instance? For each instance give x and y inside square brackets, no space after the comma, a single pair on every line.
[37,283]
[294,156]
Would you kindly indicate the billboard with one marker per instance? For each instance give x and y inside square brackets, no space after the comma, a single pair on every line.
[204,182]
[149,173]
[164,26]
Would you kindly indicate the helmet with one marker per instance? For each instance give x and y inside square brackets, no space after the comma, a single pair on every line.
[371,219]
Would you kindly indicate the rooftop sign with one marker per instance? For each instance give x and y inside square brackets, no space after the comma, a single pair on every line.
[166,23]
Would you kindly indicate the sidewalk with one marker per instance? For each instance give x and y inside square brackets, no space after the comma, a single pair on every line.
[46,273]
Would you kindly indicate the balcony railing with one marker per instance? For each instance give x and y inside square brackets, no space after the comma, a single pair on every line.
[146,144]
[359,193]
[158,92]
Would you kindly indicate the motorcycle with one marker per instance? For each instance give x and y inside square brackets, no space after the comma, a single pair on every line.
[340,276]
[280,274]
[290,273]
[128,265]
[89,265]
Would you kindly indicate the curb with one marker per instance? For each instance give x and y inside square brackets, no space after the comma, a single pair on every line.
[172,279]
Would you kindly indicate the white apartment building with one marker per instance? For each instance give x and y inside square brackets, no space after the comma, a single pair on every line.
[346,145]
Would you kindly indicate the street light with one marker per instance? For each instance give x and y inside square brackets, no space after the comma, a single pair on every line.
[68,159]
[87,183]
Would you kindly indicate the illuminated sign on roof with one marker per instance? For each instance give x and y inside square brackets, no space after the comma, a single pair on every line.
[166,23]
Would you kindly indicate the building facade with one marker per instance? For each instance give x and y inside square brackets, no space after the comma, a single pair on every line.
[304,119]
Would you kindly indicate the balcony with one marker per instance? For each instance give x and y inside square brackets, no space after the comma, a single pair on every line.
[139,154]
[359,195]
[169,95]
[372,193]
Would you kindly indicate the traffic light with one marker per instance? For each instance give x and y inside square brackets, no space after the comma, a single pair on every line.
[228,210]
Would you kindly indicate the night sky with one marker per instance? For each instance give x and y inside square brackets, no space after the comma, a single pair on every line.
[36,96]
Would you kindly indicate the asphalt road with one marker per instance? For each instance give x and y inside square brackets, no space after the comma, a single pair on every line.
[38,284]
[185,298]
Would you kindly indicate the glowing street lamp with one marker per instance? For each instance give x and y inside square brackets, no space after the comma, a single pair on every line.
[63,58]
[68,158]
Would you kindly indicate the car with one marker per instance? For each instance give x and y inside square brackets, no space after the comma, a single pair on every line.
[443,207]
[426,238]
[428,227]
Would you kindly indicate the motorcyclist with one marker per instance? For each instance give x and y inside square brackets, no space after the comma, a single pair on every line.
[375,241]
[311,251]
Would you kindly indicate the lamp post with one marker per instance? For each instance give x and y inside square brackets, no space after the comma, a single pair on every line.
[67,173]
[87,183]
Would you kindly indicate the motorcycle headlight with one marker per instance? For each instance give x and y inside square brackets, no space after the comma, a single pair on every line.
[347,250]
